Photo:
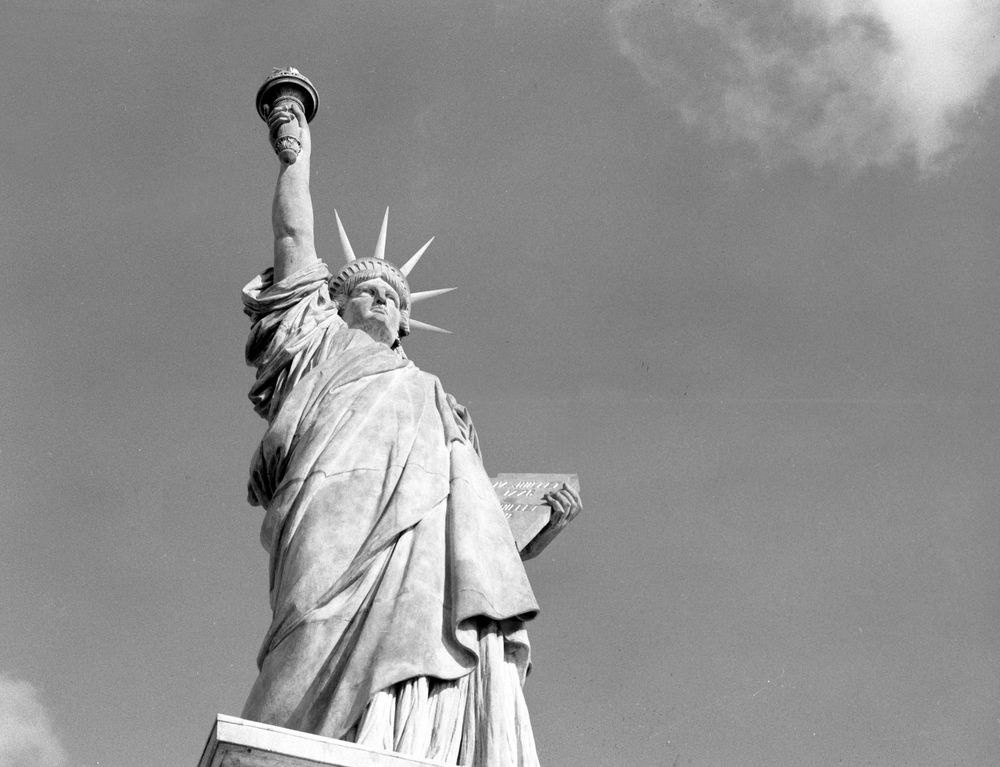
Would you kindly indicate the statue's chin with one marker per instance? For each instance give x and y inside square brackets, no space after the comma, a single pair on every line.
[377,330]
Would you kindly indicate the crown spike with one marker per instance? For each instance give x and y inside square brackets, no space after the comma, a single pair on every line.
[344,242]
[408,266]
[423,295]
[380,245]
[427,326]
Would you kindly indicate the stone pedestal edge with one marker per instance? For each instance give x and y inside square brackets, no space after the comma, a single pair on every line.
[238,742]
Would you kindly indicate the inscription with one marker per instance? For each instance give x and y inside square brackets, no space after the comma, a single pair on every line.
[521,501]
[510,509]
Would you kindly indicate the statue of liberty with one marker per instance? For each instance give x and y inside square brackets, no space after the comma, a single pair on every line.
[399,598]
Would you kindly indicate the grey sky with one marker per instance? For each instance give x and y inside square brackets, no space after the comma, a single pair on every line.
[738,270]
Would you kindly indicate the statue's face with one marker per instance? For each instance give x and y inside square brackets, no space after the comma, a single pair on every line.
[373,306]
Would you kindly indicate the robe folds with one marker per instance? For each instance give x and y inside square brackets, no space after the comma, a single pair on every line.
[388,548]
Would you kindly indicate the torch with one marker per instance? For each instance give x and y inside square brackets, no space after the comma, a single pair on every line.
[282,86]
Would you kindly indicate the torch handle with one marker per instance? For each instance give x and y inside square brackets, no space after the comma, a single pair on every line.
[287,144]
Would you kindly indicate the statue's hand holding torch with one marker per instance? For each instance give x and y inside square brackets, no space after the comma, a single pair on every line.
[287,101]
[289,130]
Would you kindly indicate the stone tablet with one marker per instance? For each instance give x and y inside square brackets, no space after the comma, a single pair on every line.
[521,501]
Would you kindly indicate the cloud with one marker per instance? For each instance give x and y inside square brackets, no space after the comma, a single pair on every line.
[845,83]
[27,738]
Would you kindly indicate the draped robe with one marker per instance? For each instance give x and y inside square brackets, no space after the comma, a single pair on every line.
[388,549]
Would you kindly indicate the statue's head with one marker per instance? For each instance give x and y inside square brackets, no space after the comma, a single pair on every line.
[373,295]
[371,292]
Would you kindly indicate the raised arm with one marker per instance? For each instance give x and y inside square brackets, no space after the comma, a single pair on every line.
[292,211]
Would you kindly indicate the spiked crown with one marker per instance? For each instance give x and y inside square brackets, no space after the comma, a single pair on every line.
[358,270]
[361,269]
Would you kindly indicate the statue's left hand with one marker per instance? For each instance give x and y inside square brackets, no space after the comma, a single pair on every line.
[566,505]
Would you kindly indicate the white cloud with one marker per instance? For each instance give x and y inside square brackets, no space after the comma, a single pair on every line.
[27,738]
[847,83]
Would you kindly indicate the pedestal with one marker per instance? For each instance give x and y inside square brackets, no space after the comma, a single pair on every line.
[241,743]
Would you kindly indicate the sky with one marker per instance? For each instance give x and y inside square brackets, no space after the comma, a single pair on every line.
[735,265]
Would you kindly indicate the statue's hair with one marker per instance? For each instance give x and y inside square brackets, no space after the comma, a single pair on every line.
[353,273]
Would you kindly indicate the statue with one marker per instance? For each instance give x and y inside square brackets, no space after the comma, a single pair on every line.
[399,598]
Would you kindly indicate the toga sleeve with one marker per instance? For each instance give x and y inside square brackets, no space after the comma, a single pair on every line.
[289,323]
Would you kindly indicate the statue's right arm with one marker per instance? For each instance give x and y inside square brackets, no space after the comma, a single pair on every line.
[292,211]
